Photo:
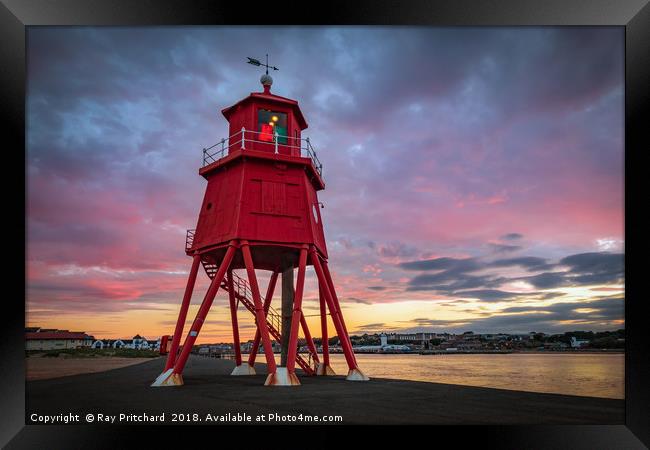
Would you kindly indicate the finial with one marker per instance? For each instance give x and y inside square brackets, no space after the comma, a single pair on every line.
[266,81]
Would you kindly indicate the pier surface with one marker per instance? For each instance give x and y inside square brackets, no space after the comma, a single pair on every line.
[209,389]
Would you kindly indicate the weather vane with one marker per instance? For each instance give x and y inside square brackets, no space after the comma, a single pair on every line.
[256,62]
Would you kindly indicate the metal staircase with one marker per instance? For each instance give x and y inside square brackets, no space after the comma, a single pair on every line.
[244,295]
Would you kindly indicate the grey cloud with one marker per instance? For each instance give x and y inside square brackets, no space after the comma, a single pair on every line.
[595,268]
[504,248]
[550,295]
[584,269]
[547,280]
[448,282]
[356,300]
[394,249]
[453,275]
[438,322]
[372,326]
[449,264]
[595,262]
[487,294]
[608,308]
[523,319]
[529,262]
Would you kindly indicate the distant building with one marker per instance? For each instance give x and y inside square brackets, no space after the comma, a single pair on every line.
[213,349]
[37,338]
[495,337]
[555,345]
[137,343]
[109,343]
[577,343]
[467,345]
[415,337]
[247,346]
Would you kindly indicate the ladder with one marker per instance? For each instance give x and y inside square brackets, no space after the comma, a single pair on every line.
[244,295]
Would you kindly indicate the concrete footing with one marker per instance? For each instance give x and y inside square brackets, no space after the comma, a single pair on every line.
[356,375]
[282,377]
[243,369]
[323,370]
[168,378]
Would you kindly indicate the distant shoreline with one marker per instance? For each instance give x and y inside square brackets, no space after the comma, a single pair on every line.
[524,352]
[479,352]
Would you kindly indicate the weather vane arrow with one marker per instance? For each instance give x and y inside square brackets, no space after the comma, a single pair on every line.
[257,62]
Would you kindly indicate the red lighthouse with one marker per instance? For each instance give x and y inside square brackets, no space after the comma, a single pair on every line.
[261,211]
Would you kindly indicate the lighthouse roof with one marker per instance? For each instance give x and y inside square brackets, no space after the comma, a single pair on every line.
[268,97]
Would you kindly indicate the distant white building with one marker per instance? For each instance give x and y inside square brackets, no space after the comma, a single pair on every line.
[137,343]
[577,343]
[383,347]
[415,336]
[109,343]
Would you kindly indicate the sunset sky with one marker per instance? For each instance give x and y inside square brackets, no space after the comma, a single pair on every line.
[474,176]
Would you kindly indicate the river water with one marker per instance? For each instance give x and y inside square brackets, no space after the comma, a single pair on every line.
[584,374]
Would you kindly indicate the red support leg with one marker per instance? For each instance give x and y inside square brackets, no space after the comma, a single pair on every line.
[259,312]
[323,325]
[308,338]
[354,374]
[233,318]
[173,377]
[267,303]
[324,368]
[182,314]
[297,313]
[337,305]
[322,281]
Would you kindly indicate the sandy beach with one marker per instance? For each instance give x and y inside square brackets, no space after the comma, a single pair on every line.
[40,368]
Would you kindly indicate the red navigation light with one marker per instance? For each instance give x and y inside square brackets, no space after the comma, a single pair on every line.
[266,133]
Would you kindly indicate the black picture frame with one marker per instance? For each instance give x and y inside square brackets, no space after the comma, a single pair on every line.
[633,15]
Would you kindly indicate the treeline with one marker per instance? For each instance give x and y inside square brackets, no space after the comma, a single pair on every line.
[597,339]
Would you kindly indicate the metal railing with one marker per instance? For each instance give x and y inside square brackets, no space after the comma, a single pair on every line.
[242,288]
[189,239]
[245,137]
